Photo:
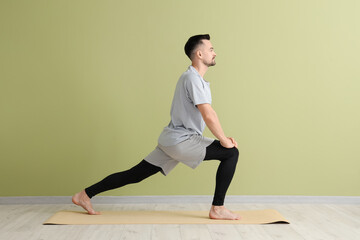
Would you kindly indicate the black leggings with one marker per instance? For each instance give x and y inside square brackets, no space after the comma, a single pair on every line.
[228,158]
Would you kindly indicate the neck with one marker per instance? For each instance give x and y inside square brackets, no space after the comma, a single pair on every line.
[201,68]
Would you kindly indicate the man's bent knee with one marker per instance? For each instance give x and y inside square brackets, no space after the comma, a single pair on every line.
[234,153]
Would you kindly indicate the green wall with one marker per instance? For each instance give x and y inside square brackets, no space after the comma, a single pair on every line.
[86,88]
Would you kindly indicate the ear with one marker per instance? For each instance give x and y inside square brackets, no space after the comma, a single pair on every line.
[198,53]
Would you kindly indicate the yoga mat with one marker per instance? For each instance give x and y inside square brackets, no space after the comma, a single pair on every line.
[162,217]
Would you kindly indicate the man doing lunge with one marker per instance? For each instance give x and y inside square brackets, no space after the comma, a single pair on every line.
[182,140]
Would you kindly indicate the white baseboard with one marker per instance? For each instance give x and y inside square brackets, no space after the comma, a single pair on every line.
[185,199]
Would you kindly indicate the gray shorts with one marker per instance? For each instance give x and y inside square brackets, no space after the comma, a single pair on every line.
[191,152]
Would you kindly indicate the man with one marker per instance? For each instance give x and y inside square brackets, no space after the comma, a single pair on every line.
[182,140]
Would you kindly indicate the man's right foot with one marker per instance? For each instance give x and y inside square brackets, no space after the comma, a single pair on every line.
[81,199]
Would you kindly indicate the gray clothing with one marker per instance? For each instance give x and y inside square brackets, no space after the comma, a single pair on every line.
[191,152]
[182,140]
[186,119]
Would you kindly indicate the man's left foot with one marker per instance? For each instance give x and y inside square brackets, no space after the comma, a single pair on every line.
[222,213]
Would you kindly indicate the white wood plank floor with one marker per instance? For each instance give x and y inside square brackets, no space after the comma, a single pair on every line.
[308,222]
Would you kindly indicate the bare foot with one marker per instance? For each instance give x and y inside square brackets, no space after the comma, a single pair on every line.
[221,213]
[81,199]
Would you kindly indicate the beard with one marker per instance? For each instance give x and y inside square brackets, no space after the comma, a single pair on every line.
[211,63]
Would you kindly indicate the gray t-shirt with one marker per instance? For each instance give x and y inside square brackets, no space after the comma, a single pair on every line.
[186,119]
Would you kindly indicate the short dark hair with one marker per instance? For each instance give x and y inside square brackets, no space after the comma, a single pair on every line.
[193,42]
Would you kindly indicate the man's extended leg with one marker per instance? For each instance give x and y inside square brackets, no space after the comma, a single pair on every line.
[134,175]
[228,159]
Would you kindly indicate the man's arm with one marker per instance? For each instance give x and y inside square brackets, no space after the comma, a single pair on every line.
[212,122]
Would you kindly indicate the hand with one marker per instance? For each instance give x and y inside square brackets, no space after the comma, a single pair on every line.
[228,142]
[233,141]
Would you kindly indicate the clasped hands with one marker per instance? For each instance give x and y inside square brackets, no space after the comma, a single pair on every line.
[228,142]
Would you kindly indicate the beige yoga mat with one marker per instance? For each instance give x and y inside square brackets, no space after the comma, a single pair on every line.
[162,217]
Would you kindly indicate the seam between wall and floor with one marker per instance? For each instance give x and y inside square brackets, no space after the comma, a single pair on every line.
[185,199]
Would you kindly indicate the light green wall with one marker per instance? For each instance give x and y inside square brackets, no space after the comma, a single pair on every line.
[86,88]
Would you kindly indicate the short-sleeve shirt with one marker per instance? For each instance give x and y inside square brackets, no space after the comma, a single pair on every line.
[186,119]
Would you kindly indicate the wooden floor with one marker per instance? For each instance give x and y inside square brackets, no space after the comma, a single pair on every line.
[308,221]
